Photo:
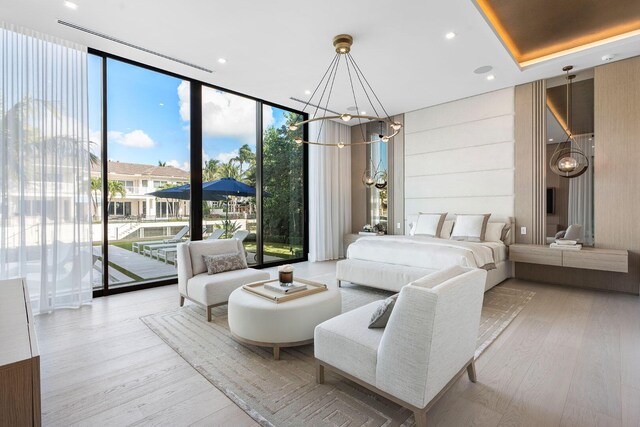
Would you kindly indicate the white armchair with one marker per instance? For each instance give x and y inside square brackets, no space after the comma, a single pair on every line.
[207,290]
[429,341]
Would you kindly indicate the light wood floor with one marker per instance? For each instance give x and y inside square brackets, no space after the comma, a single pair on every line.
[570,358]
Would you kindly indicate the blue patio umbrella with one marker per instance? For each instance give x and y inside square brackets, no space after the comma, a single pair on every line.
[182,192]
[227,187]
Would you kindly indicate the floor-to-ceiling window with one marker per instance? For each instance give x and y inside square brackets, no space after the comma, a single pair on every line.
[283,181]
[253,173]
[229,168]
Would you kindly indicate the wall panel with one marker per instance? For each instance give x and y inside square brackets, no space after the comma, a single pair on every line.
[459,156]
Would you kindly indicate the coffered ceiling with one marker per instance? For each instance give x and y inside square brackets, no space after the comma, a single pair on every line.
[278,49]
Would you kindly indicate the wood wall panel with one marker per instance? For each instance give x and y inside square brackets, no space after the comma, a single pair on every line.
[617,162]
[530,186]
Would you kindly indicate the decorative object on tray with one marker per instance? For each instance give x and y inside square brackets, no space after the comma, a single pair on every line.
[566,244]
[285,288]
[260,289]
[285,273]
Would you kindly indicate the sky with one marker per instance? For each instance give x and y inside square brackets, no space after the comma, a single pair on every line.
[148,117]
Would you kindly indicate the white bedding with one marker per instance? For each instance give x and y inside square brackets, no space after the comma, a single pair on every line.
[427,252]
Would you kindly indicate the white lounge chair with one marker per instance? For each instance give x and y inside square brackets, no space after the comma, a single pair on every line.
[216,234]
[135,246]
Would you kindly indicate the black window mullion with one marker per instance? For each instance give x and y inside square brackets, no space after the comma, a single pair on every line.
[105,184]
[259,138]
[195,219]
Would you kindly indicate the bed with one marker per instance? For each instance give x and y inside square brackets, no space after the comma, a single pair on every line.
[390,262]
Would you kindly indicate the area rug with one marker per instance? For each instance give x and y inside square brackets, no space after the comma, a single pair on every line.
[284,392]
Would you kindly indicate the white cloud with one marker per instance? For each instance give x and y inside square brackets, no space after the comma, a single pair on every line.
[176,164]
[136,139]
[225,114]
[225,157]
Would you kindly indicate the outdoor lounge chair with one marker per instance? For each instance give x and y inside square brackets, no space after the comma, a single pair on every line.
[216,234]
[135,246]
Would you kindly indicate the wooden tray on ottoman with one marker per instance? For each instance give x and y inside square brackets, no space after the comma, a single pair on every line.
[257,288]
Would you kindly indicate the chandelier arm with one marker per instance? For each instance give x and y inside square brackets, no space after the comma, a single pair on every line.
[355,100]
[368,84]
[319,83]
[333,67]
[335,74]
[362,84]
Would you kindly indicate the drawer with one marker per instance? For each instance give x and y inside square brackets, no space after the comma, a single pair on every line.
[535,255]
[595,260]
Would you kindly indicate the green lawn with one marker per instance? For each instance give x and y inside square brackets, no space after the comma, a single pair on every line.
[280,250]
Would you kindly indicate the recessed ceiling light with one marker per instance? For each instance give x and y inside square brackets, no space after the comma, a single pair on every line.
[222,60]
[307,92]
[71,5]
[491,77]
[450,35]
[608,58]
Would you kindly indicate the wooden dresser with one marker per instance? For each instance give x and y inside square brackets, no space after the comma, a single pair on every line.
[19,357]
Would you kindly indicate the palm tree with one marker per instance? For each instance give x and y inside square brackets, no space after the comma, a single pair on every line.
[230,170]
[211,170]
[162,164]
[96,186]
[115,188]
[245,155]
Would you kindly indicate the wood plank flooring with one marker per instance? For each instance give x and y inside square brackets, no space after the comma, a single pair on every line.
[570,358]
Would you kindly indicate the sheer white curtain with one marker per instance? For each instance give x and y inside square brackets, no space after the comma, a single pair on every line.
[329,191]
[581,192]
[45,218]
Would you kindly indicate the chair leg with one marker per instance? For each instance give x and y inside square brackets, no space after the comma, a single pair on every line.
[319,373]
[421,418]
[471,370]
[209,313]
[276,352]
[181,301]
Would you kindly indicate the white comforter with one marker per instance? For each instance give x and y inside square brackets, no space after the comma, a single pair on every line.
[422,252]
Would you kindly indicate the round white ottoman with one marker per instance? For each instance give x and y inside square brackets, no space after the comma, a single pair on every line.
[258,321]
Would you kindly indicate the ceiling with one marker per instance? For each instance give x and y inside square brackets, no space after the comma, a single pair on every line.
[278,49]
[533,30]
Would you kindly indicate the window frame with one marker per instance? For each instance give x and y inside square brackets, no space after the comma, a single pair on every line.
[195,142]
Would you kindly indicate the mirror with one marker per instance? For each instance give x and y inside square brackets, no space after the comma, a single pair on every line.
[570,200]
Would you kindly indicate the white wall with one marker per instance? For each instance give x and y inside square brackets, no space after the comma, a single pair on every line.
[459,156]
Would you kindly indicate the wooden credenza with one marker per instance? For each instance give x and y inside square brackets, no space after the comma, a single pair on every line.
[592,268]
[19,357]
[586,258]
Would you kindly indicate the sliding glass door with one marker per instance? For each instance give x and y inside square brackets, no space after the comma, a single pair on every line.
[253,174]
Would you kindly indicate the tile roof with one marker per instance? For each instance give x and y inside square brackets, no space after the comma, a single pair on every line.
[122,168]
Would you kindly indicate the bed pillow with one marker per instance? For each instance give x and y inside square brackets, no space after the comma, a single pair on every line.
[494,232]
[429,224]
[224,262]
[445,233]
[380,317]
[470,228]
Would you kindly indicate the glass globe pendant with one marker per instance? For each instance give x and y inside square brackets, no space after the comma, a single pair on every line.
[567,164]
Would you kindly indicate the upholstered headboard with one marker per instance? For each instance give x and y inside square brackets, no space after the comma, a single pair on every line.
[509,220]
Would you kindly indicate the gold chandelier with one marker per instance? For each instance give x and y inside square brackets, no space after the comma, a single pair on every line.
[342,44]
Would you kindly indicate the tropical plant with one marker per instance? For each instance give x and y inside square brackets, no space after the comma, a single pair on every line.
[230,170]
[162,164]
[96,187]
[245,156]
[115,188]
[228,227]
[211,170]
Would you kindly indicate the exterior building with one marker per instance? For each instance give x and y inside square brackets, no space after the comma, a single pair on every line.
[139,181]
